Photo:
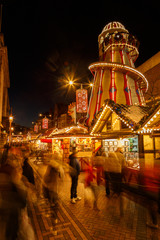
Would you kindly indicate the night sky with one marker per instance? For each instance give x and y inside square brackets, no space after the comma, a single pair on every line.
[48,39]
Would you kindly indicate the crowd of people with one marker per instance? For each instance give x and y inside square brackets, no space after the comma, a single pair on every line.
[111,171]
[13,194]
[17,179]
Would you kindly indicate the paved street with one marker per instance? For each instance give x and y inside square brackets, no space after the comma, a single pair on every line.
[76,221]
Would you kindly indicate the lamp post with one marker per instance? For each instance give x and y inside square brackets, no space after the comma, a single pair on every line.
[10,128]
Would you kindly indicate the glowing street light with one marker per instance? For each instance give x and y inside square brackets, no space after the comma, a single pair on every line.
[10,128]
[70,82]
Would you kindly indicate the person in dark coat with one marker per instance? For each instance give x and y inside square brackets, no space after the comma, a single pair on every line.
[28,171]
[74,163]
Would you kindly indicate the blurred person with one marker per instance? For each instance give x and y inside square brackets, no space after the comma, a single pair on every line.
[91,194]
[150,188]
[98,160]
[27,170]
[74,163]
[114,170]
[12,201]
[51,178]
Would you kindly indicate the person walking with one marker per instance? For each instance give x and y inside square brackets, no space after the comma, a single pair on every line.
[114,167]
[13,198]
[74,163]
[91,189]
[150,189]
[53,174]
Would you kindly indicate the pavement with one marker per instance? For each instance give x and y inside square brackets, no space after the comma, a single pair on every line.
[82,222]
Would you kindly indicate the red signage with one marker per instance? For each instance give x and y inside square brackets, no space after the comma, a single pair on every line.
[81,100]
[36,128]
[45,123]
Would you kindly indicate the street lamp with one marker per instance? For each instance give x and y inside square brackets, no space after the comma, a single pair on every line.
[72,83]
[10,128]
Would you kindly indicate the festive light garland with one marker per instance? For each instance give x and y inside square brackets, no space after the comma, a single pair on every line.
[144,129]
[118,117]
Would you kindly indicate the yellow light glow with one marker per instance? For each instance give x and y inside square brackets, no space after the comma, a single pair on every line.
[10,118]
[70,82]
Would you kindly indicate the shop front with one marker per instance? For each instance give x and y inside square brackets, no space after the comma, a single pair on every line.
[129,146]
[64,140]
[65,144]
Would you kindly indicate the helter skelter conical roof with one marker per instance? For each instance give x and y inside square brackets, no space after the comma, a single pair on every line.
[115,76]
[113,26]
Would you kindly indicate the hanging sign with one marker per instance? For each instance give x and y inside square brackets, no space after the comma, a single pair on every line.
[45,123]
[81,100]
[36,128]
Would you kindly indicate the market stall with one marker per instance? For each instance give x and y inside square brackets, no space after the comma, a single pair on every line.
[64,140]
[129,146]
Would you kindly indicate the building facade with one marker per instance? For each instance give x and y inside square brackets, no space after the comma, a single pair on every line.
[4,85]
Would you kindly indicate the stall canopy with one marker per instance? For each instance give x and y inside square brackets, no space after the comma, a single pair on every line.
[44,136]
[69,131]
[131,116]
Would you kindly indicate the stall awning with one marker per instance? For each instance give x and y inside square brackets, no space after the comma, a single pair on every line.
[46,140]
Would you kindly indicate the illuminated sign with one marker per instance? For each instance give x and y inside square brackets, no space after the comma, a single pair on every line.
[45,123]
[81,100]
[36,128]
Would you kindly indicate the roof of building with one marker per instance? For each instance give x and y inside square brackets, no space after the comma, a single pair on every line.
[135,117]
[71,130]
[114,26]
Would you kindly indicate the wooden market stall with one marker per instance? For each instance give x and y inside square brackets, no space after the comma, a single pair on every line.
[64,140]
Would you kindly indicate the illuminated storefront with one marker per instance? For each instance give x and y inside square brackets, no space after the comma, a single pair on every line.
[64,140]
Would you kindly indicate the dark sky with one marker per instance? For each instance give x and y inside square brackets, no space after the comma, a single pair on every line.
[46,39]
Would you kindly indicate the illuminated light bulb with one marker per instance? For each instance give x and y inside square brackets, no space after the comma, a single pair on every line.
[70,82]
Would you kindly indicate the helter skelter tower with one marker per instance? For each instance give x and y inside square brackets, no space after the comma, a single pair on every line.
[115,76]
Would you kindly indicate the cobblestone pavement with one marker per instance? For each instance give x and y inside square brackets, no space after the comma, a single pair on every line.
[78,221]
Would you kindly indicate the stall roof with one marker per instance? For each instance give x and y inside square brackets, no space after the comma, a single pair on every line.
[62,136]
[130,115]
[71,130]
[139,119]
[152,121]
